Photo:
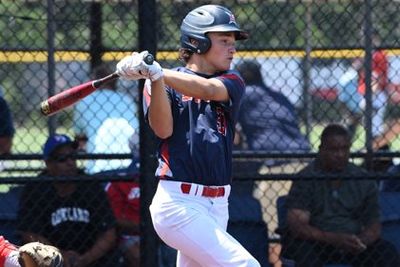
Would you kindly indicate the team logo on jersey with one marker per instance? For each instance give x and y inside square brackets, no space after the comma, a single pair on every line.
[70,214]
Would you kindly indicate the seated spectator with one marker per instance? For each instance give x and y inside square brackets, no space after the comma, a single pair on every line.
[76,217]
[335,220]
[6,128]
[267,118]
[125,202]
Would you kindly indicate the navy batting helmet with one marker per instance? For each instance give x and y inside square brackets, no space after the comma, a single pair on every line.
[204,19]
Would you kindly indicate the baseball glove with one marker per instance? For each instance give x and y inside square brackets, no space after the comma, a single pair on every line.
[36,254]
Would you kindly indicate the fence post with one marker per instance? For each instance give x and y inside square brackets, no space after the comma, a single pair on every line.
[306,66]
[51,28]
[368,90]
[96,38]
[148,183]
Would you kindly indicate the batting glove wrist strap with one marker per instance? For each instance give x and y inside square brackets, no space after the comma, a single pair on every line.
[155,71]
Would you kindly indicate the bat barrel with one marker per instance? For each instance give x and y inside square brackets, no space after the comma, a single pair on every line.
[66,98]
[74,94]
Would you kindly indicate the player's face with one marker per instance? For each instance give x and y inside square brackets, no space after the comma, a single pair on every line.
[62,162]
[222,49]
[334,153]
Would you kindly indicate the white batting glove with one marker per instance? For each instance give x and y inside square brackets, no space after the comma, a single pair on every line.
[155,71]
[133,67]
[152,71]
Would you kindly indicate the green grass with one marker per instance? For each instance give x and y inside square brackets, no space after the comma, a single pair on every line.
[30,140]
[358,142]
[27,140]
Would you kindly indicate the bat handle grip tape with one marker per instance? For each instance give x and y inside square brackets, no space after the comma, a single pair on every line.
[97,83]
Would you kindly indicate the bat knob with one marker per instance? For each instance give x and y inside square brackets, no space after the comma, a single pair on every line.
[149,59]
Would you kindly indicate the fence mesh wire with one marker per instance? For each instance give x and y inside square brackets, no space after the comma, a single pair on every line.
[321,62]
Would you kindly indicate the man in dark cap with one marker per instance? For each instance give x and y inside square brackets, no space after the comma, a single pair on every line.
[75,217]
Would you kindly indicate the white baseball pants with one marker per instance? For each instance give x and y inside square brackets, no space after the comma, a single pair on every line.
[196,225]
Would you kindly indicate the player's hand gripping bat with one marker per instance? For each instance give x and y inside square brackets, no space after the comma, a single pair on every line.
[72,95]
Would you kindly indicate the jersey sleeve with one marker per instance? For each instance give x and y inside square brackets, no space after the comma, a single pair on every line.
[116,198]
[300,193]
[236,88]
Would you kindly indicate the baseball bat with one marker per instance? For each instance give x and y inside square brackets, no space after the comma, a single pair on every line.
[72,95]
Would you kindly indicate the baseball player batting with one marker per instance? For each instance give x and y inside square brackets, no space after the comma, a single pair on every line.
[33,254]
[193,111]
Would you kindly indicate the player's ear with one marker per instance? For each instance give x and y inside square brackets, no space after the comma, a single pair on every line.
[194,42]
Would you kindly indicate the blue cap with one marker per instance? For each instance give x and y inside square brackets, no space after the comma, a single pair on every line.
[56,141]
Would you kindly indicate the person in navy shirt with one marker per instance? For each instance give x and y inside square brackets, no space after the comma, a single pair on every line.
[193,111]
[268,119]
[7,129]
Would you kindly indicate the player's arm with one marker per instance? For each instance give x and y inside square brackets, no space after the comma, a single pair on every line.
[196,86]
[160,112]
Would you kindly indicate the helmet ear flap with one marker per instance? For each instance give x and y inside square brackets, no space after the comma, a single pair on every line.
[196,43]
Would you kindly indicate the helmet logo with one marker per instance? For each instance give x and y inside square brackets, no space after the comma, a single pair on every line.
[231,18]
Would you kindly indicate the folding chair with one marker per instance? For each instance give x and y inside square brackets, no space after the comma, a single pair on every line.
[390,217]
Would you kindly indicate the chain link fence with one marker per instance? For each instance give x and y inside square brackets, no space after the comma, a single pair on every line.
[321,62]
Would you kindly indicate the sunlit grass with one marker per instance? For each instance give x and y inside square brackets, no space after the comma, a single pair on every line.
[27,140]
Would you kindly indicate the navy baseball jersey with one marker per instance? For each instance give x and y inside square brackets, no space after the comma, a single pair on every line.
[200,147]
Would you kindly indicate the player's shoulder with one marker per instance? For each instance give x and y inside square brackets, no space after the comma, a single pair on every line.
[229,73]
[231,76]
